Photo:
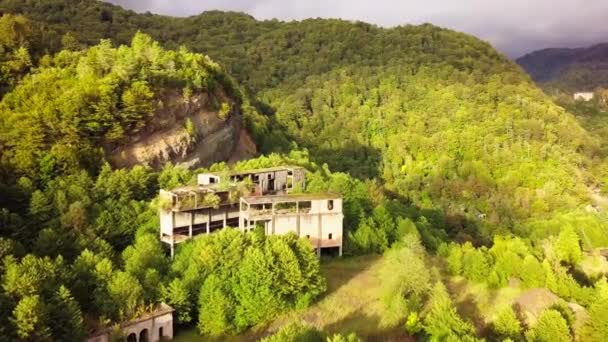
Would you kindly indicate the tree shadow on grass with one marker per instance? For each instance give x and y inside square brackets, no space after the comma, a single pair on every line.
[368,327]
[339,272]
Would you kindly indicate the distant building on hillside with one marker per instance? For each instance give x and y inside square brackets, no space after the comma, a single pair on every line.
[216,203]
[154,326]
[317,217]
[584,96]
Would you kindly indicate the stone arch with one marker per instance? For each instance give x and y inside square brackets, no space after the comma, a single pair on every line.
[143,336]
[132,337]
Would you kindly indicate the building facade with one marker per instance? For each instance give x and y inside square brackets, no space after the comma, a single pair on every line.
[584,96]
[152,327]
[317,217]
[213,203]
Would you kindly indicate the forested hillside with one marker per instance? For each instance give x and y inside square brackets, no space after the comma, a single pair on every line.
[451,161]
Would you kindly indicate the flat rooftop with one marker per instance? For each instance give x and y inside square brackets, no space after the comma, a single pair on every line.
[264,170]
[196,188]
[290,198]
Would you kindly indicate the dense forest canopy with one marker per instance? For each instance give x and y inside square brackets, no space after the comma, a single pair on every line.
[450,161]
[441,117]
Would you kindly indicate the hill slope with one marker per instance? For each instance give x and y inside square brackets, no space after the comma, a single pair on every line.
[140,104]
[582,69]
[440,117]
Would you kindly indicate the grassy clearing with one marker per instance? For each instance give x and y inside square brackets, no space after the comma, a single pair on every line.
[352,303]
[478,302]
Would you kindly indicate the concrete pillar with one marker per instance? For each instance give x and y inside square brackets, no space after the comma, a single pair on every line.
[319,235]
[172,247]
[225,216]
[298,218]
[191,224]
[274,219]
[208,220]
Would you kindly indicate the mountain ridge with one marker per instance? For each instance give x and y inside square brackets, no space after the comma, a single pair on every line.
[573,69]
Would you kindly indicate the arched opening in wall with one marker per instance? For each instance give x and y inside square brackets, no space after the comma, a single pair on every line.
[132,337]
[143,336]
[161,333]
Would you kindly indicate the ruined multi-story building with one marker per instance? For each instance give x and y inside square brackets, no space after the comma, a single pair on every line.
[216,202]
[317,217]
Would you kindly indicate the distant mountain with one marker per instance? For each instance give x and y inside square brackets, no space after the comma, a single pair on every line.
[569,69]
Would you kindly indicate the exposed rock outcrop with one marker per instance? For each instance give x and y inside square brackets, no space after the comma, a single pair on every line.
[212,136]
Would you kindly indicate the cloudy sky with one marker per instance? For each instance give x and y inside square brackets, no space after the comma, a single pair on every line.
[513,26]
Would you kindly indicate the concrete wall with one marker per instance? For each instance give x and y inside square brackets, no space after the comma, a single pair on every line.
[150,326]
[207,178]
[166,222]
[585,96]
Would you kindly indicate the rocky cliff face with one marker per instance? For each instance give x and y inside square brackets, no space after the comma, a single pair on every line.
[188,131]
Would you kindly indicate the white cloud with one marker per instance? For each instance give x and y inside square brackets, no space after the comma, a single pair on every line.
[513,26]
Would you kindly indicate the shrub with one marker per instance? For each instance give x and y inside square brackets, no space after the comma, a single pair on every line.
[506,324]
[550,327]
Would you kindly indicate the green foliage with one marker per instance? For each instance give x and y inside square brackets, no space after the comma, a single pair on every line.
[216,308]
[113,94]
[211,200]
[30,318]
[66,319]
[125,296]
[224,111]
[596,326]
[404,289]
[413,325]
[442,322]
[568,247]
[550,327]
[352,337]
[506,324]
[295,333]
[532,274]
[146,260]
[241,281]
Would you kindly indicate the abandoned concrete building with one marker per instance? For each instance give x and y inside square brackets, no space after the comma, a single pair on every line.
[213,203]
[154,326]
[317,217]
[584,96]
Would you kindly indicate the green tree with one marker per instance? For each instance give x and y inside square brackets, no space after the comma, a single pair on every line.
[30,318]
[551,326]
[65,319]
[126,296]
[507,325]
[596,326]
[532,273]
[254,289]
[442,321]
[216,308]
[177,295]
[567,246]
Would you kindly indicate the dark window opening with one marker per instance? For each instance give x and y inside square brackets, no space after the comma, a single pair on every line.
[212,180]
[269,176]
[330,205]
[330,236]
[160,332]
[305,207]
[308,236]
